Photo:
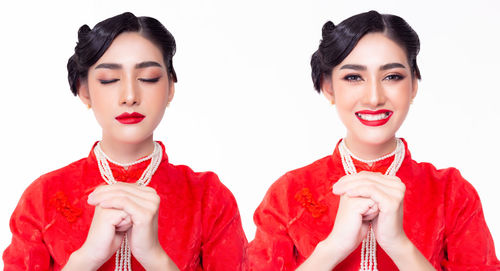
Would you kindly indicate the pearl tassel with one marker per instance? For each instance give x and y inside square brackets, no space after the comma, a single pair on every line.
[369,244]
[123,255]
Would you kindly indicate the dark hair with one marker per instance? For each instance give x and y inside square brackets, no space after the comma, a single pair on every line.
[92,43]
[338,41]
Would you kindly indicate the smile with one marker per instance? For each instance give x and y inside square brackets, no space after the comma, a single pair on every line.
[374,118]
[130,118]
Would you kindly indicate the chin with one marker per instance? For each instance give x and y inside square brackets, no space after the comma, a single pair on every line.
[131,137]
[374,137]
[133,141]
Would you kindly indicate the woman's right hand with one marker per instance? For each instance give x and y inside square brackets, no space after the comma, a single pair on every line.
[103,240]
[350,228]
[351,223]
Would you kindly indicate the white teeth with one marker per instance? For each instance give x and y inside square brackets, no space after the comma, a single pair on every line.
[372,117]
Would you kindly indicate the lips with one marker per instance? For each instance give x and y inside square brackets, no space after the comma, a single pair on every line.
[374,118]
[130,118]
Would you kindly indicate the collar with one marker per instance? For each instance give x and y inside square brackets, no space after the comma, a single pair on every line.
[130,174]
[379,166]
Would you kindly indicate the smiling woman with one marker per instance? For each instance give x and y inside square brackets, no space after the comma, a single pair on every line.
[372,88]
[125,199]
[369,205]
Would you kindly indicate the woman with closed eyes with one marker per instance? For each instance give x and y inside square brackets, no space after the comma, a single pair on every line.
[125,207]
[369,205]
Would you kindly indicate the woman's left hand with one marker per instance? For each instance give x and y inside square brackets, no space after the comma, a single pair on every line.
[141,203]
[388,193]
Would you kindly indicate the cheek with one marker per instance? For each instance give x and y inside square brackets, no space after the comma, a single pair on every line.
[401,96]
[161,94]
[158,98]
[100,93]
[346,98]
[103,101]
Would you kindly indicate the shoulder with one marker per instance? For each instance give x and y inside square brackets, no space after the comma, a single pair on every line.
[55,187]
[193,178]
[57,179]
[312,175]
[203,185]
[426,174]
[446,184]
[303,184]
[450,177]
[214,199]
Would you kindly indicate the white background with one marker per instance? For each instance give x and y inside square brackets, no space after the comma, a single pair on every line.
[245,105]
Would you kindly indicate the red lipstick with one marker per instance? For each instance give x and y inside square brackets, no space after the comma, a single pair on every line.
[130,118]
[374,118]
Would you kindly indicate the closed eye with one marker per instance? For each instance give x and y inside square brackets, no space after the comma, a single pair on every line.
[149,80]
[104,82]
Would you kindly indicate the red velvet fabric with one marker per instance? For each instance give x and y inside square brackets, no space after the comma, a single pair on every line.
[443,217]
[199,225]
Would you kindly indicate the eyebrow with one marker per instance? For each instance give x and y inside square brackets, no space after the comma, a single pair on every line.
[111,66]
[353,67]
[115,66]
[364,68]
[146,64]
[392,66]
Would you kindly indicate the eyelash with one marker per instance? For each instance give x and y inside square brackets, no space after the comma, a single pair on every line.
[394,77]
[353,78]
[149,80]
[145,80]
[105,82]
[356,77]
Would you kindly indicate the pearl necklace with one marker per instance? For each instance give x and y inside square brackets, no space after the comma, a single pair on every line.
[363,160]
[123,255]
[369,245]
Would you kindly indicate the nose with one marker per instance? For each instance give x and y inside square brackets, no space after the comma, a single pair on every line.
[374,94]
[130,93]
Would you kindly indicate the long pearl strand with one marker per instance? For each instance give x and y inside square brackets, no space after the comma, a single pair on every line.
[123,255]
[369,245]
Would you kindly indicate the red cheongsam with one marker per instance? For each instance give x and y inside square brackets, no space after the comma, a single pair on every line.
[199,225]
[443,217]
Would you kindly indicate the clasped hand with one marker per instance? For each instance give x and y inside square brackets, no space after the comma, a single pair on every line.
[123,208]
[365,198]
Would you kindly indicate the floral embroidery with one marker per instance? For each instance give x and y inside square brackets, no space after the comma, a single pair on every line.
[304,197]
[60,201]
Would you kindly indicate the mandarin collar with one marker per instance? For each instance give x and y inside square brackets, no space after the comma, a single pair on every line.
[133,172]
[379,166]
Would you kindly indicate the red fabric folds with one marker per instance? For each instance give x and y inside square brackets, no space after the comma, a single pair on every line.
[443,217]
[199,225]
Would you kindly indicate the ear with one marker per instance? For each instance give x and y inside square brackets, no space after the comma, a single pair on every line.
[171,91]
[414,88]
[327,89]
[83,93]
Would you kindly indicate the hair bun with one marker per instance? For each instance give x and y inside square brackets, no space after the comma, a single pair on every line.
[83,31]
[328,28]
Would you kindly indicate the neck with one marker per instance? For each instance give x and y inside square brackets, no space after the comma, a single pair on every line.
[126,152]
[370,151]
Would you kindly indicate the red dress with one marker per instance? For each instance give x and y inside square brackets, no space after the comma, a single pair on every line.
[199,225]
[442,217]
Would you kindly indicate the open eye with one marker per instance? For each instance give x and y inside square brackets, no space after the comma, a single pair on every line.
[149,80]
[104,82]
[394,77]
[353,78]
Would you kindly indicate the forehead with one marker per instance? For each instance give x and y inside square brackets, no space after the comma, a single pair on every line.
[374,50]
[130,48]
